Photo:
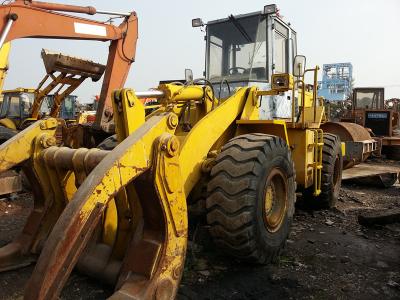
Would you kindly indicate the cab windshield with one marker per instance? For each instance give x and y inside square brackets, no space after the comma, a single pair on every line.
[67,109]
[237,50]
[17,105]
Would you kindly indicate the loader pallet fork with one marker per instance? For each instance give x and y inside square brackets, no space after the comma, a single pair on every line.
[252,171]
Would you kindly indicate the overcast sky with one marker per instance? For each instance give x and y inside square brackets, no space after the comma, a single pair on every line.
[363,32]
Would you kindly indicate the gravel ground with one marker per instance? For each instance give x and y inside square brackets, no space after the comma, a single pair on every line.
[328,256]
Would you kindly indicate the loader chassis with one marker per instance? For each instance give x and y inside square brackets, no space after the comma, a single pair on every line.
[122,214]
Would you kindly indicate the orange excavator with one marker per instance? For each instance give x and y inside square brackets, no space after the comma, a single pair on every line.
[43,20]
[35,19]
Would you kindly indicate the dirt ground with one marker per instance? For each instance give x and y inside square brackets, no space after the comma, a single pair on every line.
[328,256]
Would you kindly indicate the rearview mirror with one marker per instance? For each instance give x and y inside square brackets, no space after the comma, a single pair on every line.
[188,75]
[299,65]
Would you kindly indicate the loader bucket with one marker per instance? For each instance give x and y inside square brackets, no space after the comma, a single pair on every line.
[359,143]
[57,62]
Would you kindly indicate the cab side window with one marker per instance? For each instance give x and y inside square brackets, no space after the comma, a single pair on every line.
[281,35]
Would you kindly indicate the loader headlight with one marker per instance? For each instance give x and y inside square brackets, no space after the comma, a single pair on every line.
[197,22]
[270,9]
[282,82]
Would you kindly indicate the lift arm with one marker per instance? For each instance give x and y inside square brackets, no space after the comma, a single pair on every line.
[34,19]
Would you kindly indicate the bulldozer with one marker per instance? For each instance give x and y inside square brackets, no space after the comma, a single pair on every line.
[248,134]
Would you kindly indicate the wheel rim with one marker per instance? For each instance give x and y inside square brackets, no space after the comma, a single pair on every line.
[275,200]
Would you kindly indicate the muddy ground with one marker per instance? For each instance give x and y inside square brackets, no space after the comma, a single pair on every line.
[328,256]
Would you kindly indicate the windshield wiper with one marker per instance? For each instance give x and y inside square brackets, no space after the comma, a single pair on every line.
[240,28]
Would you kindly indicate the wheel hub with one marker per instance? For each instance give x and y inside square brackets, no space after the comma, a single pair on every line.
[275,200]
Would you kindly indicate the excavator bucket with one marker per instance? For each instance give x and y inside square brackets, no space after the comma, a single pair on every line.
[58,62]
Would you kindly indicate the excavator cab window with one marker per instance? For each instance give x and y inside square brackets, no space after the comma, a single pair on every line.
[237,49]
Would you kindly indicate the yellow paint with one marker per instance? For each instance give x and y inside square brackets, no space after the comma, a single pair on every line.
[20,147]
[6,122]
[4,54]
[204,134]
[302,142]
[343,148]
[273,127]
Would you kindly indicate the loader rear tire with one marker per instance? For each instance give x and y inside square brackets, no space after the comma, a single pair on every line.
[6,134]
[332,166]
[251,197]
[109,143]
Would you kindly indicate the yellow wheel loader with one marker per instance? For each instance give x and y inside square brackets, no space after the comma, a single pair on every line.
[250,130]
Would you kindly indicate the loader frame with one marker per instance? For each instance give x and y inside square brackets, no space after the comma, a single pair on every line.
[122,214]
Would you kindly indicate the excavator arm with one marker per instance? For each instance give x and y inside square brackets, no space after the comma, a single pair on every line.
[34,19]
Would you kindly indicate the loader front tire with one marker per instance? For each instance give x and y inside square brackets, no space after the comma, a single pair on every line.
[332,165]
[251,197]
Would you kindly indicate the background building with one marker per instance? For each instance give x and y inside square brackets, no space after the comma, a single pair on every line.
[336,81]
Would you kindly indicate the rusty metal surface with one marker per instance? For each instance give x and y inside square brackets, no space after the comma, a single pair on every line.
[10,182]
[389,141]
[347,131]
[90,10]
[58,62]
[359,144]
[364,170]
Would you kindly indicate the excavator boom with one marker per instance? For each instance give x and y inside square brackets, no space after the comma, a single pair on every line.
[34,19]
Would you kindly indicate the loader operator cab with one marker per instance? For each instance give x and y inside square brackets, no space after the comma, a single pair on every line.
[67,110]
[17,106]
[245,50]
